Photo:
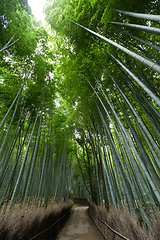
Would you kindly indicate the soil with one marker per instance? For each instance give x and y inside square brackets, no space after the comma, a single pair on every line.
[80,227]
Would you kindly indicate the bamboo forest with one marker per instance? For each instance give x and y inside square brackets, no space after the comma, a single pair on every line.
[80,107]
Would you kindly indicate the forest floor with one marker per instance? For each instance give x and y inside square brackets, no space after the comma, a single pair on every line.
[80,226]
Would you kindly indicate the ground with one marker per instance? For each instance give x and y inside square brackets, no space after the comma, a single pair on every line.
[80,227]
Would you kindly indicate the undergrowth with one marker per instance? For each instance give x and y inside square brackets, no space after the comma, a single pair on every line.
[25,225]
[123,222]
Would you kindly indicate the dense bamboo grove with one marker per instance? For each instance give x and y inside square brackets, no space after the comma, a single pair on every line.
[80,106]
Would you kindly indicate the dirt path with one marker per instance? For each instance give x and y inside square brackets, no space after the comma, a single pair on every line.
[80,227]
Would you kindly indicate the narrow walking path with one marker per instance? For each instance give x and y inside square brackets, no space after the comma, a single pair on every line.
[80,227]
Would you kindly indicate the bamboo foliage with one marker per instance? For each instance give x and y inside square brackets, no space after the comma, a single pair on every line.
[23,163]
[18,94]
[133,170]
[28,157]
[117,148]
[150,93]
[123,175]
[148,63]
